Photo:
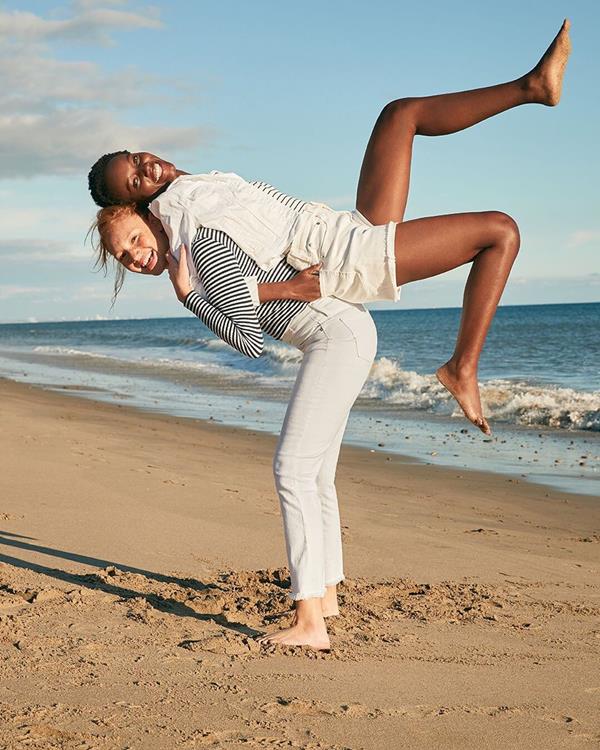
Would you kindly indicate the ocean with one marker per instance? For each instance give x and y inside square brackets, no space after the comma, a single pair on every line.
[540,376]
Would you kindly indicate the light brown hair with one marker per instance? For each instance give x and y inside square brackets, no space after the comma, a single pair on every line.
[98,234]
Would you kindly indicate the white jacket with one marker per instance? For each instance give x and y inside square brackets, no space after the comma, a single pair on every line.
[260,224]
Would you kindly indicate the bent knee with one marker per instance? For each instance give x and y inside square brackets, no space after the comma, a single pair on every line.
[507,230]
[403,111]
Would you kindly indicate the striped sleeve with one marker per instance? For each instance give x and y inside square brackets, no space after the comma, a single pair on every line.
[295,204]
[228,309]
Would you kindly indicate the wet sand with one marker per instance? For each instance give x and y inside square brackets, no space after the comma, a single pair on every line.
[140,555]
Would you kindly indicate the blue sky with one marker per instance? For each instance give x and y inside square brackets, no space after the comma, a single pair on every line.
[288,93]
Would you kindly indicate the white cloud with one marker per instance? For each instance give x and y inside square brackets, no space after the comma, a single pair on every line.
[33,83]
[58,116]
[583,237]
[9,291]
[22,223]
[87,24]
[69,141]
[24,250]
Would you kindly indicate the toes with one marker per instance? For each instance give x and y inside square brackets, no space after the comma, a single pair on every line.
[481,423]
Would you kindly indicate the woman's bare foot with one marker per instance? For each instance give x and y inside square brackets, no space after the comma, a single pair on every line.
[307,629]
[329,603]
[307,634]
[465,390]
[544,82]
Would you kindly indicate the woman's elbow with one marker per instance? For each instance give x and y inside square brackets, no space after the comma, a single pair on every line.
[252,348]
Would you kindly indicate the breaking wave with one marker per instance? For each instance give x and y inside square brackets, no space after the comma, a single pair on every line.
[516,402]
[508,401]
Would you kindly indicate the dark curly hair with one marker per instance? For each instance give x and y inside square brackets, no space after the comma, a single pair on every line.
[97,183]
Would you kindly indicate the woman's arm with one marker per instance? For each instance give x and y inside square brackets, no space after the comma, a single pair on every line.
[228,309]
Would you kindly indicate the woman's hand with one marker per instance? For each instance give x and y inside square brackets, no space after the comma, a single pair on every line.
[179,273]
[305,285]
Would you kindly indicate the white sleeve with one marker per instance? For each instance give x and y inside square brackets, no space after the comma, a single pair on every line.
[178,222]
[181,226]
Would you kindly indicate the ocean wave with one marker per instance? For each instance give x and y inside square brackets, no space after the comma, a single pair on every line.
[217,344]
[543,406]
[135,361]
[66,351]
[389,382]
[279,354]
[503,400]
[515,402]
[287,357]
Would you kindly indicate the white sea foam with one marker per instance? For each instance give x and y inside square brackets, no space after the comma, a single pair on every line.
[287,357]
[69,352]
[389,382]
[147,362]
[516,402]
[217,344]
[548,406]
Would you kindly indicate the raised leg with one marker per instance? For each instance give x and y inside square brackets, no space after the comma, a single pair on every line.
[385,173]
[433,245]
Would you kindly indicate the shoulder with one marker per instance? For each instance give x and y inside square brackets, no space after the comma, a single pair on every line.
[213,241]
[208,235]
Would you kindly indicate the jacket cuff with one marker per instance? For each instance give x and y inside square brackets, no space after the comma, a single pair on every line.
[252,285]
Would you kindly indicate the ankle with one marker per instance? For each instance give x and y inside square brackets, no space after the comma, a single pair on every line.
[530,87]
[462,367]
[309,614]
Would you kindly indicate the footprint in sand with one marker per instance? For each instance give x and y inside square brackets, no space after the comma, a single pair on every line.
[223,643]
[9,517]
[481,531]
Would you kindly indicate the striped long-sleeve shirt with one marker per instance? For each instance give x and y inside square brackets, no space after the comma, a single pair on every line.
[228,308]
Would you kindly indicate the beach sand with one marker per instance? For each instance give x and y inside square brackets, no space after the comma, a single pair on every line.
[141,553]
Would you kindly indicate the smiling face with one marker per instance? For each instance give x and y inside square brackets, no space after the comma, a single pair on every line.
[139,245]
[137,177]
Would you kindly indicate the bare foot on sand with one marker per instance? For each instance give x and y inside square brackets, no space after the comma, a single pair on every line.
[313,635]
[466,392]
[545,80]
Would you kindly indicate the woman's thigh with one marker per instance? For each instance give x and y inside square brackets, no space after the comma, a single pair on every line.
[384,179]
[435,244]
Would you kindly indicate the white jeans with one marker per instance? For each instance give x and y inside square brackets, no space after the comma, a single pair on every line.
[339,342]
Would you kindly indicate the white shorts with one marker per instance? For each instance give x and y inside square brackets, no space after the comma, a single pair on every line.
[359,263]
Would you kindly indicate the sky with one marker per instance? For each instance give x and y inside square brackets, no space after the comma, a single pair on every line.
[288,93]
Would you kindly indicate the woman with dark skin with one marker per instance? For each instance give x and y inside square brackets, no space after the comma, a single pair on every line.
[428,246]
[424,247]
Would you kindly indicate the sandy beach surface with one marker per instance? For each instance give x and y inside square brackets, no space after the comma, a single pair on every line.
[141,554]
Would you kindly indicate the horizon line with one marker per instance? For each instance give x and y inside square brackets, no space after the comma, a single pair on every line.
[184,317]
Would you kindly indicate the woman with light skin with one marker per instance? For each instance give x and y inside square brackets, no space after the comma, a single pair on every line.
[423,248]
